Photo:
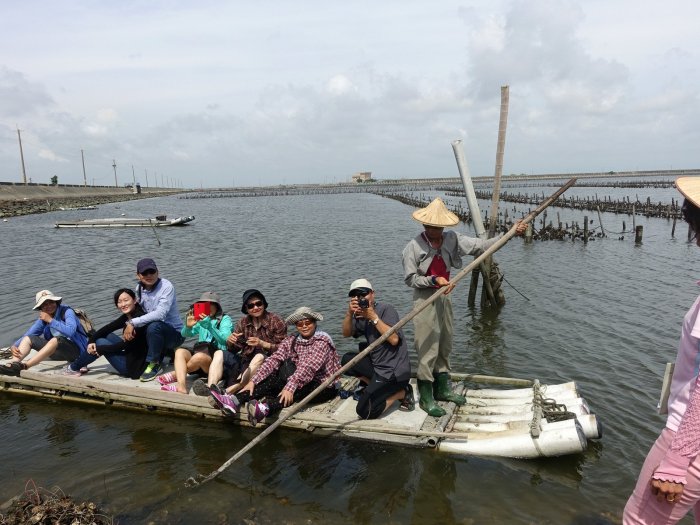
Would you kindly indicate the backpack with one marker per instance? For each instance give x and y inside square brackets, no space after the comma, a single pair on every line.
[86,323]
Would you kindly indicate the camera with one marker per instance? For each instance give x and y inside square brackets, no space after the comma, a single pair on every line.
[241,341]
[363,302]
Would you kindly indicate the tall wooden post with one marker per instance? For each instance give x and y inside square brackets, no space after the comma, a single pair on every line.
[82,155]
[21,156]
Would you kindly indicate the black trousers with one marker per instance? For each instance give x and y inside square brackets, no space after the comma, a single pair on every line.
[273,384]
[372,401]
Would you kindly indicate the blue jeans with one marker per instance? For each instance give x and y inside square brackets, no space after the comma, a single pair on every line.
[161,337]
[118,361]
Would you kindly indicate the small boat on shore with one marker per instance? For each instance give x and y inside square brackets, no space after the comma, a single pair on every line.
[78,208]
[121,222]
[503,417]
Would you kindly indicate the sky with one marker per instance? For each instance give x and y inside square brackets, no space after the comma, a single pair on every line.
[230,93]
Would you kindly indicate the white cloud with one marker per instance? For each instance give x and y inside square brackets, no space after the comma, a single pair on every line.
[50,155]
[337,88]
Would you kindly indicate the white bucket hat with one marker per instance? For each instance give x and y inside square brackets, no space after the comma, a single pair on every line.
[43,296]
[436,214]
[303,312]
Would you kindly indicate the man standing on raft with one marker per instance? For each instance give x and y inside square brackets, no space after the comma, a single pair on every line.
[427,260]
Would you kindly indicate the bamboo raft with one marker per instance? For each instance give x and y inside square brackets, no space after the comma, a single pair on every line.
[523,422]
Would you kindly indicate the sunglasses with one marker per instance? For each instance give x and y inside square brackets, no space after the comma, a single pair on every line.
[149,272]
[304,322]
[254,304]
[359,293]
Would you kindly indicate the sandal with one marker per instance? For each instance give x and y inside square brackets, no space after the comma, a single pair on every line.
[169,388]
[12,369]
[166,379]
[408,403]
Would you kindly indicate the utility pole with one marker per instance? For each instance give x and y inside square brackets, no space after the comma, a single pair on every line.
[146,177]
[21,155]
[133,174]
[84,176]
[114,165]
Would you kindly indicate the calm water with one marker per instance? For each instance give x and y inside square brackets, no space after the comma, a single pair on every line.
[606,315]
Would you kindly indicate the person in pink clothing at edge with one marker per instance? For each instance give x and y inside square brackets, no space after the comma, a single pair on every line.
[669,482]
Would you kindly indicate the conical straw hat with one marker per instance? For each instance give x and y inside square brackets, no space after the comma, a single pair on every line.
[436,214]
[690,188]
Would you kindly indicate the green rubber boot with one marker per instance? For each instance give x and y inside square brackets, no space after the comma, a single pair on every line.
[427,403]
[443,390]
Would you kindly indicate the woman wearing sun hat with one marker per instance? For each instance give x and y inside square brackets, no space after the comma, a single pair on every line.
[211,330]
[56,335]
[427,260]
[669,482]
[299,365]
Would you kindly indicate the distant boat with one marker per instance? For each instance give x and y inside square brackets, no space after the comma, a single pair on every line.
[78,208]
[122,222]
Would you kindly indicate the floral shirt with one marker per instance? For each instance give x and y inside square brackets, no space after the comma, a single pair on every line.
[315,358]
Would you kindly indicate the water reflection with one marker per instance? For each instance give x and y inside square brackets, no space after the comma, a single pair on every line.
[486,348]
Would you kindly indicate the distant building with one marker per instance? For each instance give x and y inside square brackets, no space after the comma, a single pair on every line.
[362,176]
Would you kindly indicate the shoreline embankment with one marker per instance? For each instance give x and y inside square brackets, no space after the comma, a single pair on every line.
[25,199]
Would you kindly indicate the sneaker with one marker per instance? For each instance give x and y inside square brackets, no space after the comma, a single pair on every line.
[152,370]
[228,404]
[68,371]
[257,411]
[408,403]
[12,369]
[200,388]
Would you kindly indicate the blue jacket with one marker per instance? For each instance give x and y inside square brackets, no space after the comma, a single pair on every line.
[65,322]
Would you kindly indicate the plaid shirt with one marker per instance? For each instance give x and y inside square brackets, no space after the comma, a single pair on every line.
[315,359]
[272,330]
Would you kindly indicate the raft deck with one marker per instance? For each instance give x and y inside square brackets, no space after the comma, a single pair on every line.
[494,422]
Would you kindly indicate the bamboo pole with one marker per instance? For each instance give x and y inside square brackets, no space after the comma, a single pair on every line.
[470,194]
[495,198]
[192,482]
[500,148]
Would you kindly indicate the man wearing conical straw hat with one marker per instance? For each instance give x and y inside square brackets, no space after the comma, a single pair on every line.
[427,260]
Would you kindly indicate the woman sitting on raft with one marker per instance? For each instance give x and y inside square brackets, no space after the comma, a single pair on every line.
[128,358]
[212,329]
[301,363]
[257,335]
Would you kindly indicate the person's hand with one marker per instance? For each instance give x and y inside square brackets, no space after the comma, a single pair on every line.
[204,320]
[45,317]
[92,349]
[286,397]
[520,228]
[232,340]
[353,308]
[667,491]
[15,352]
[190,321]
[441,282]
[369,313]
[129,332]
[257,343]
[248,388]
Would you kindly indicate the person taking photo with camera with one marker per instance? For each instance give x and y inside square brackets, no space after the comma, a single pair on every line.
[385,372]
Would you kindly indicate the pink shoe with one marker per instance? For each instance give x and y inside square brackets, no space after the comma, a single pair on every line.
[257,411]
[166,379]
[169,388]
